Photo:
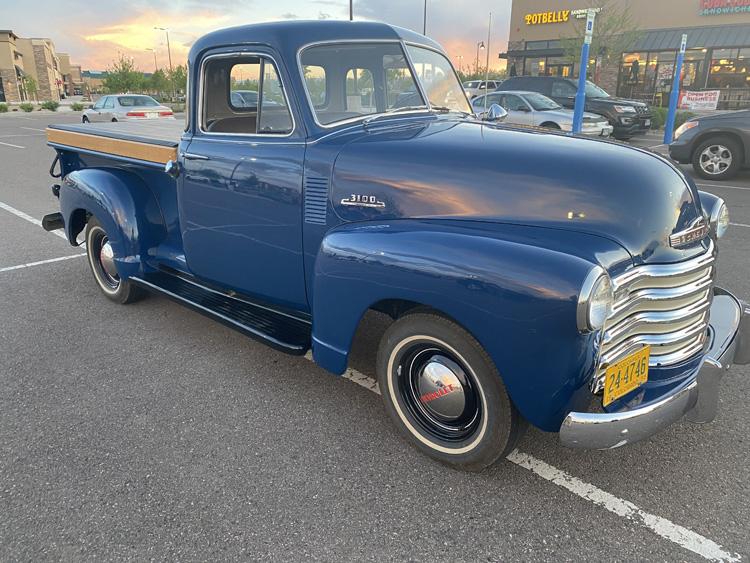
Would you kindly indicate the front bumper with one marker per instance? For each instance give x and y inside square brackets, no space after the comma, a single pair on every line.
[697,399]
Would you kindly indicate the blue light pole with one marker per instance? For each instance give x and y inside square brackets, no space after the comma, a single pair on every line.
[581,94]
[675,95]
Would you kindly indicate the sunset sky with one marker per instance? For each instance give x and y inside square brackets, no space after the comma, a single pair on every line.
[94,32]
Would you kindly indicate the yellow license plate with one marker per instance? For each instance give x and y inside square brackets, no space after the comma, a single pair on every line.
[627,374]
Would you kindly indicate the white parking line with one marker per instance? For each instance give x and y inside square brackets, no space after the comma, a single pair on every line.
[724,187]
[40,263]
[32,129]
[675,533]
[740,225]
[29,218]
[22,135]
[14,146]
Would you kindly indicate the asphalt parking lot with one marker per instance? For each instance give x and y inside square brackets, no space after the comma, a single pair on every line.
[150,432]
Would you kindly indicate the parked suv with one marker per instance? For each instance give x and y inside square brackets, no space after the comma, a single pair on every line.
[478,87]
[627,117]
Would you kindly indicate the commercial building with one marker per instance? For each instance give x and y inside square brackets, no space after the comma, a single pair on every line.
[72,76]
[717,59]
[43,65]
[12,87]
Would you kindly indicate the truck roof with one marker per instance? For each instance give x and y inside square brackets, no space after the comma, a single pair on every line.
[290,36]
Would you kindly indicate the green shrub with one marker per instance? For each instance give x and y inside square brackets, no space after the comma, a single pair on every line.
[3,108]
[659,119]
[76,106]
[50,105]
[27,107]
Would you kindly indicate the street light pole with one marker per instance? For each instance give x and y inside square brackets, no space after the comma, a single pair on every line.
[480,45]
[487,68]
[156,66]
[424,20]
[169,53]
[351,10]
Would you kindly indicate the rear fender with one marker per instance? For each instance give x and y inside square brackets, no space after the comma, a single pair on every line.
[124,206]
[519,301]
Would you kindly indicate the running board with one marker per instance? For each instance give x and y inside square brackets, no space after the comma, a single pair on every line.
[279,330]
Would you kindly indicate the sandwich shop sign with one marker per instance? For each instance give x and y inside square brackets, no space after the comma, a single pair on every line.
[559,16]
[721,7]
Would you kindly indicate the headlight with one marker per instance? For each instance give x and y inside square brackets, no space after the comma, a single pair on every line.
[719,218]
[624,109]
[595,301]
[684,127]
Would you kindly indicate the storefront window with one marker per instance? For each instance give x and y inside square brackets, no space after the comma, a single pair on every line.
[633,75]
[730,68]
[559,66]
[535,67]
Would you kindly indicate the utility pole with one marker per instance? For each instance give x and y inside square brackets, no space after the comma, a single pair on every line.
[675,95]
[581,94]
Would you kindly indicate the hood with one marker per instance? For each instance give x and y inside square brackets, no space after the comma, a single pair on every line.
[733,116]
[566,115]
[612,101]
[468,170]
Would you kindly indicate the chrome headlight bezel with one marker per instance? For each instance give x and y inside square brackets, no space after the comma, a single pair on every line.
[595,301]
[719,218]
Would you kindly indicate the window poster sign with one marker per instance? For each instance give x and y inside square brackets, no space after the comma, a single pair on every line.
[707,100]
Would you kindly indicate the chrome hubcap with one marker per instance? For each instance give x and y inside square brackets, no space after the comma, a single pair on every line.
[439,393]
[715,159]
[107,259]
[102,258]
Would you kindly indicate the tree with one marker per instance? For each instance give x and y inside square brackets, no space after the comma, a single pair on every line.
[29,84]
[178,78]
[123,76]
[615,32]
[158,83]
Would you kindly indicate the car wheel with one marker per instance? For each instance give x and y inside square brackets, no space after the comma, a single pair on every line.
[550,125]
[717,158]
[114,120]
[101,260]
[444,394]
[85,119]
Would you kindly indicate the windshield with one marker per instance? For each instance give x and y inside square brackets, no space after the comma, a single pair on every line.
[349,81]
[593,91]
[541,102]
[438,79]
[137,101]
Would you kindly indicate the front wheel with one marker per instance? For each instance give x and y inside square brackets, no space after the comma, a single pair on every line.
[101,260]
[84,119]
[444,393]
[717,158]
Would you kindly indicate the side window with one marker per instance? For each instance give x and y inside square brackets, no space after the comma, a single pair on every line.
[360,90]
[99,103]
[109,103]
[563,89]
[514,103]
[243,95]
[317,88]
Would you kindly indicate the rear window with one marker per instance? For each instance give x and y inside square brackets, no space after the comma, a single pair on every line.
[137,101]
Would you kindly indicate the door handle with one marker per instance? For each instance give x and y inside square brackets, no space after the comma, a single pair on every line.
[193,156]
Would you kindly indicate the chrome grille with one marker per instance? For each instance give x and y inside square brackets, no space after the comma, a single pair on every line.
[665,306]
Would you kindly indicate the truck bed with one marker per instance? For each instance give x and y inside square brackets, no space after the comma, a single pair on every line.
[152,141]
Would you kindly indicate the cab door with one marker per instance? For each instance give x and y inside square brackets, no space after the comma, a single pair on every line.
[240,195]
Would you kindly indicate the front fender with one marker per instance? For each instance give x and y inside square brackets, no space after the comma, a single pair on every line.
[124,206]
[518,300]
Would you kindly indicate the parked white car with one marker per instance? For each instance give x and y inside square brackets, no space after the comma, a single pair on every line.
[478,87]
[126,107]
[532,108]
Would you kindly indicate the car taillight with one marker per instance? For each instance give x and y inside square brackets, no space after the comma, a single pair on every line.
[165,113]
[136,114]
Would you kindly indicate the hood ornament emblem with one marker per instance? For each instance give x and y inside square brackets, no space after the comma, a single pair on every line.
[697,231]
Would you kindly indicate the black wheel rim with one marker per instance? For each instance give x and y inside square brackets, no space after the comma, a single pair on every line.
[100,250]
[438,392]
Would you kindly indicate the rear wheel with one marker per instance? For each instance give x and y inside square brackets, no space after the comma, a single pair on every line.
[444,393]
[550,125]
[101,260]
[84,119]
[717,158]
[114,120]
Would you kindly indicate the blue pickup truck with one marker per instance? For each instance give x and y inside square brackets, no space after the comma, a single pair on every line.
[532,277]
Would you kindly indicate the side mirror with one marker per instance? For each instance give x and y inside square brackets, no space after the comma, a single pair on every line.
[494,113]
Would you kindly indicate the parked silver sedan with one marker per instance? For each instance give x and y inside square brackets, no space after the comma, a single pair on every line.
[126,107]
[532,108]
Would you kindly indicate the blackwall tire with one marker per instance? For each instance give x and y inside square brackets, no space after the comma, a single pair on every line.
[444,393]
[717,158]
[101,264]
